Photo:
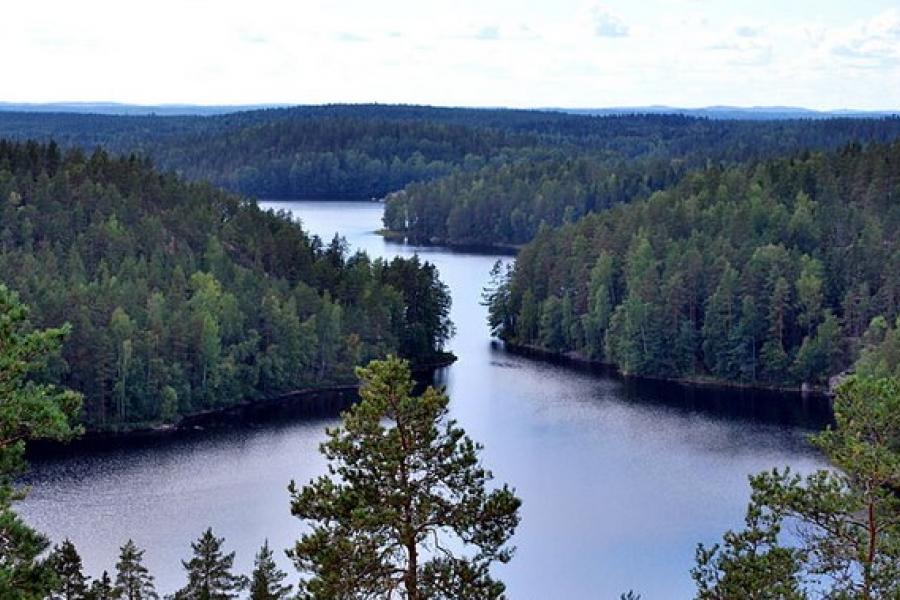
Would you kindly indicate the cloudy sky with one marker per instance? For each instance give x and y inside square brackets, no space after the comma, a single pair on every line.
[523,53]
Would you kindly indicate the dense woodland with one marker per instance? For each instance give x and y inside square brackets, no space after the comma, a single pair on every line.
[182,297]
[773,273]
[365,151]
[506,203]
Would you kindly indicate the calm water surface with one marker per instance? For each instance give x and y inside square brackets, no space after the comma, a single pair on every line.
[619,481]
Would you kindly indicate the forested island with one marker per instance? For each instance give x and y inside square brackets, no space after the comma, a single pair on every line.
[773,273]
[182,297]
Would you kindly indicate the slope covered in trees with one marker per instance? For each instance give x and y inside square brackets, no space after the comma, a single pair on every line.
[364,151]
[763,274]
[507,203]
[182,297]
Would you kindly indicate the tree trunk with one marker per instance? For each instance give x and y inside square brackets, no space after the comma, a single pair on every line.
[412,568]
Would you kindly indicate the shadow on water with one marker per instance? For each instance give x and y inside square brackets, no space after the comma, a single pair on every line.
[325,406]
[812,412]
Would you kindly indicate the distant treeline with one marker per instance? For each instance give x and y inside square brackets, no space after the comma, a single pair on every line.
[507,203]
[183,297]
[364,151]
[774,273]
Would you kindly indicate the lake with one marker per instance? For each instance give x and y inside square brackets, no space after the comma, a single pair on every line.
[619,480]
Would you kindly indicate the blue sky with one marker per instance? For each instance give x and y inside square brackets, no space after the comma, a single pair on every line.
[825,54]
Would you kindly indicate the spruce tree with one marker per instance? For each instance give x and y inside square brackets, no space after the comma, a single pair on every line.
[266,580]
[103,589]
[405,510]
[133,580]
[71,583]
[209,572]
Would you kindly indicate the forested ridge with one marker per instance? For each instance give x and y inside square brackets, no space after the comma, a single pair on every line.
[365,151]
[183,297]
[506,203]
[772,273]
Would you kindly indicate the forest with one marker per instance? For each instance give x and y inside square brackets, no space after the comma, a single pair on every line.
[368,151]
[181,297]
[773,273]
[506,204]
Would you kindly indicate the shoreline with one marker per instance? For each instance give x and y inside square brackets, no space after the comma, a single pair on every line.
[314,401]
[582,363]
[401,237]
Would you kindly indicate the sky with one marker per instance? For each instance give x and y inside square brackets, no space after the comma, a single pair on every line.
[824,54]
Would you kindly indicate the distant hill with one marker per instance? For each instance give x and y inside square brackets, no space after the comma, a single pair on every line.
[757,113]
[346,151]
[115,108]
[762,113]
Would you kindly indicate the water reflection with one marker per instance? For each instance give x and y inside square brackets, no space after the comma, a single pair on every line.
[619,479]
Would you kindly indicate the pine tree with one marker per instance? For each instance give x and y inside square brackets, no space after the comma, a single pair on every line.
[266,580]
[71,583]
[403,479]
[845,520]
[28,411]
[209,572]
[133,580]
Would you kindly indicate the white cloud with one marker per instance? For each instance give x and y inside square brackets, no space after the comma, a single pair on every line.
[682,52]
[606,24]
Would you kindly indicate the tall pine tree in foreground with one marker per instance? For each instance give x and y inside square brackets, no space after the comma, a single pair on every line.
[266,580]
[71,583]
[133,580]
[846,521]
[28,411]
[405,511]
[209,572]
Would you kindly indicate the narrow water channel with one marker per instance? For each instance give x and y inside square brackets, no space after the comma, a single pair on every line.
[619,480]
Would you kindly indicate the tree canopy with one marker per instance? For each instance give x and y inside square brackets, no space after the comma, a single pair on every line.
[845,521]
[763,274]
[29,410]
[183,298]
[405,509]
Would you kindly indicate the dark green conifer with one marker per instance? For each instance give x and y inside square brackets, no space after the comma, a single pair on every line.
[103,589]
[403,479]
[28,411]
[71,583]
[209,572]
[133,580]
[266,580]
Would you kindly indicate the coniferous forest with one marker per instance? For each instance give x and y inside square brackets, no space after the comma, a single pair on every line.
[763,254]
[775,273]
[182,297]
[365,151]
[467,300]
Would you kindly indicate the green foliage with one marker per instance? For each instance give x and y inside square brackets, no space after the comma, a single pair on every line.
[209,572]
[266,580]
[102,589]
[29,410]
[763,274]
[133,581]
[750,563]
[846,521]
[71,583]
[605,162]
[881,356]
[405,493]
[183,298]
[23,575]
